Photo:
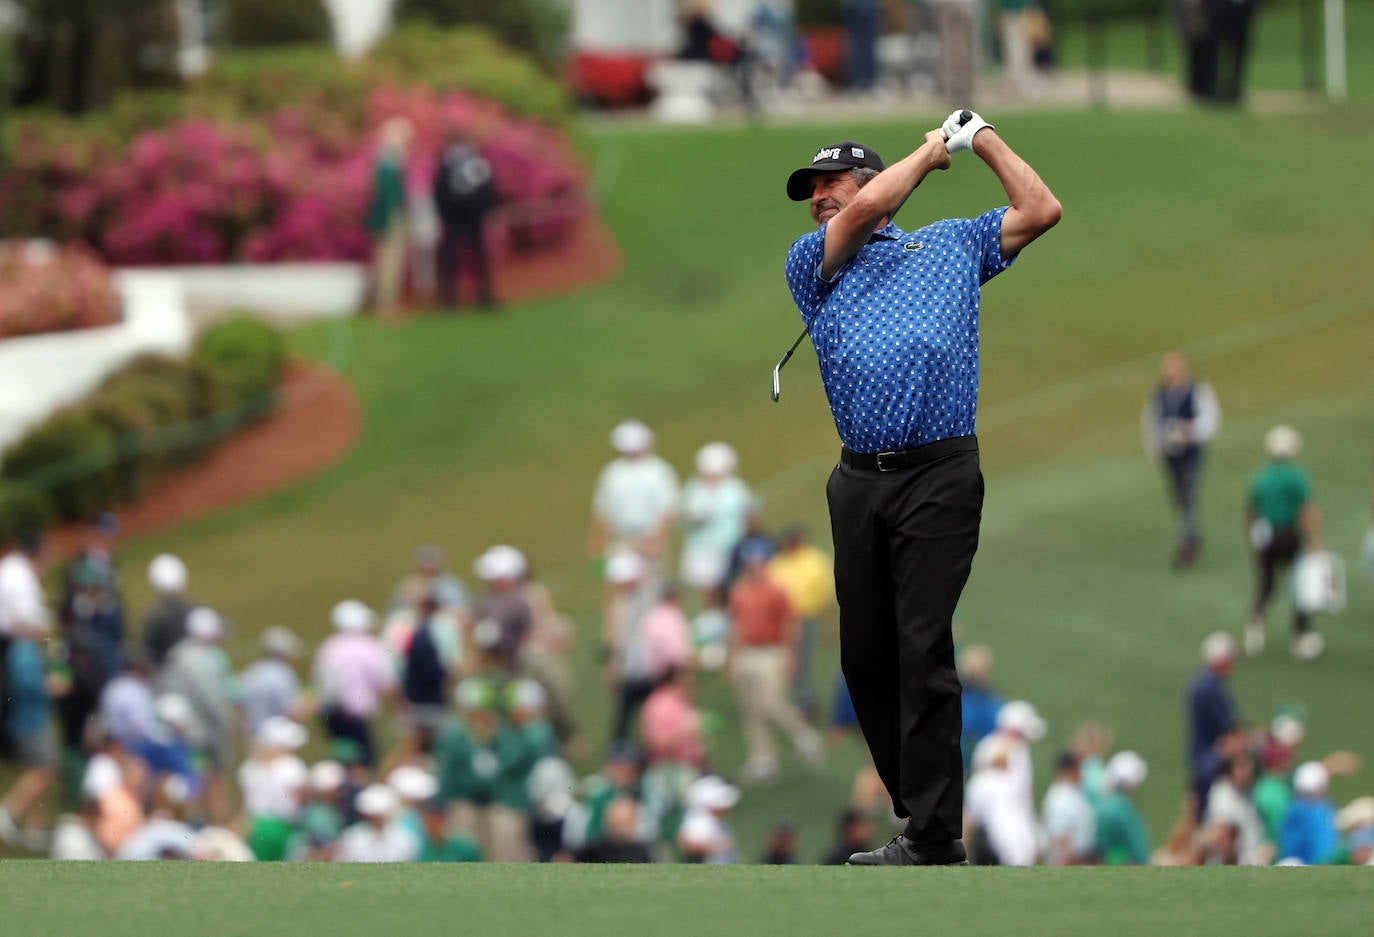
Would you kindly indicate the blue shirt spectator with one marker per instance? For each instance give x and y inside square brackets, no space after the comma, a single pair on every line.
[25,676]
[1309,832]
[1211,710]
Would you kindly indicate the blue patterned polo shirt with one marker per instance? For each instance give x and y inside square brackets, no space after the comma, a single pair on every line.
[896,329]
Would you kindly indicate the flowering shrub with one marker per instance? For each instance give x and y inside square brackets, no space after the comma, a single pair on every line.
[292,187]
[46,289]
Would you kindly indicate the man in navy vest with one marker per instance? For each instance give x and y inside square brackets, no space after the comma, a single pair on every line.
[1179,419]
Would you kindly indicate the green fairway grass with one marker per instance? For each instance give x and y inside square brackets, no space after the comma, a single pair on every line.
[136,899]
[1239,237]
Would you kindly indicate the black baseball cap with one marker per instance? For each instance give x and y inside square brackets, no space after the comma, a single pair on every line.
[832,158]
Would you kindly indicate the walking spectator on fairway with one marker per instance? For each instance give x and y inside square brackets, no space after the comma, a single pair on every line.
[386,216]
[428,656]
[430,577]
[705,835]
[959,53]
[1309,827]
[855,835]
[353,676]
[92,613]
[1122,838]
[127,703]
[620,840]
[377,837]
[28,725]
[756,538]
[1232,21]
[1197,27]
[167,752]
[91,654]
[672,724]
[763,639]
[980,702]
[1229,805]
[636,497]
[1180,418]
[1212,716]
[667,635]
[198,670]
[633,596]
[165,623]
[1069,821]
[807,576]
[464,196]
[22,604]
[269,686]
[544,657]
[94,565]
[504,609]
[273,782]
[1283,522]
[1018,726]
[715,503]
[711,631]
[863,24]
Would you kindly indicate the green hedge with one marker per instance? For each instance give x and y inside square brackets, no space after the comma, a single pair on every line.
[276,23]
[539,27]
[151,415]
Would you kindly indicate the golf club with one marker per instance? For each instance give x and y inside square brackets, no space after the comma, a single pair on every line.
[964,117]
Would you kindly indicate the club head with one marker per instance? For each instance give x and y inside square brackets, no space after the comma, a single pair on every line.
[777,381]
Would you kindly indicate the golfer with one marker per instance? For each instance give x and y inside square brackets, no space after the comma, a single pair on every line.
[893,316]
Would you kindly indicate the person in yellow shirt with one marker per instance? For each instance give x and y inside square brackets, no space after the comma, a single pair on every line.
[807,575]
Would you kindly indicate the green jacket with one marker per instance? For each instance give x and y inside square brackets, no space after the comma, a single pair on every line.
[1121,835]
[388,196]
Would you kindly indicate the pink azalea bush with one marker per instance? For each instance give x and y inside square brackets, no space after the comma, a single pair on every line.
[48,289]
[292,187]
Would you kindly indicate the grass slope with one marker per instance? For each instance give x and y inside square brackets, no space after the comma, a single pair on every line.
[1231,235]
[226,900]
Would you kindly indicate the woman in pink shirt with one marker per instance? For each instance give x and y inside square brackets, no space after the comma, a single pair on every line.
[671,723]
[353,675]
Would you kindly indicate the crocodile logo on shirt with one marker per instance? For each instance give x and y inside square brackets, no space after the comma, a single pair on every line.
[912,246]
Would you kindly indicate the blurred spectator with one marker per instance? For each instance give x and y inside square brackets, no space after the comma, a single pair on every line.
[1018,726]
[321,819]
[763,639]
[1273,791]
[386,215]
[425,671]
[504,609]
[843,718]
[863,21]
[113,811]
[430,577]
[437,844]
[1232,20]
[715,503]
[89,654]
[198,670]
[378,837]
[781,848]
[274,783]
[1092,743]
[1018,54]
[165,623]
[1309,827]
[1211,714]
[1198,30]
[671,723]
[1229,805]
[619,841]
[126,703]
[636,497]
[28,724]
[478,760]
[1003,831]
[1122,838]
[667,635]
[1356,823]
[954,22]
[705,835]
[1220,844]
[807,576]
[167,752]
[1069,822]
[353,676]
[90,583]
[464,196]
[633,596]
[544,656]
[711,631]
[22,604]
[981,703]
[415,787]
[528,741]
[552,788]
[756,537]
[269,686]
[1283,522]
[855,835]
[1178,421]
[586,820]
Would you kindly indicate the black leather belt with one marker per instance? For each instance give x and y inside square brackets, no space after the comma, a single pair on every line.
[906,458]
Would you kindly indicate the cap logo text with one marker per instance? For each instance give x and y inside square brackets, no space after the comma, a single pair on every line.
[829,152]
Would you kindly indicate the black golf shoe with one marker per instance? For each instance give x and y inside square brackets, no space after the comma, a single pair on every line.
[902,851]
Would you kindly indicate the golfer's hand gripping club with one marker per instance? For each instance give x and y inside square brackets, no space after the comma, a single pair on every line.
[959,129]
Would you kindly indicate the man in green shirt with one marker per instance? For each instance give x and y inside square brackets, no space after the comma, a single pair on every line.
[1282,520]
[1122,838]
[436,845]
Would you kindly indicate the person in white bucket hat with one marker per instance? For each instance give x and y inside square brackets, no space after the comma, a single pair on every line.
[354,676]
[636,496]
[715,504]
[1309,832]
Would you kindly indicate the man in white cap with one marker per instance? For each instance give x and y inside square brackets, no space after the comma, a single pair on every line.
[1018,726]
[504,606]
[273,781]
[429,577]
[1005,832]
[715,503]
[1122,838]
[1283,522]
[705,835]
[1212,715]
[415,787]
[165,623]
[1309,827]
[198,669]
[354,676]
[269,686]
[378,837]
[636,496]
[634,593]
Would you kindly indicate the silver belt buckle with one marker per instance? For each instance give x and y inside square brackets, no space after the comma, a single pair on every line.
[883,465]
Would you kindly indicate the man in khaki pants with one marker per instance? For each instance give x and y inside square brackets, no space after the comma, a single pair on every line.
[762,645]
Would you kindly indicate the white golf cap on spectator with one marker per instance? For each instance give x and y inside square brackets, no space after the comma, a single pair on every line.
[712,793]
[376,800]
[102,774]
[412,783]
[174,710]
[632,438]
[528,694]
[1218,647]
[1126,771]
[501,562]
[279,732]
[1020,716]
[717,458]
[352,615]
[204,624]
[624,567]
[1287,729]
[1282,442]
[1311,779]
[326,776]
[167,573]
[280,641]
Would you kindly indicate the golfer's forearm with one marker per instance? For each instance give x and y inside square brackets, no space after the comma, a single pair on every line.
[879,199]
[1024,187]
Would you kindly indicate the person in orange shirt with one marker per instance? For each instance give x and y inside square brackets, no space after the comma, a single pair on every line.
[762,658]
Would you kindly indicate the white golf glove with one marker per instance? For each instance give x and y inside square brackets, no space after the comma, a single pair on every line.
[959,135]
